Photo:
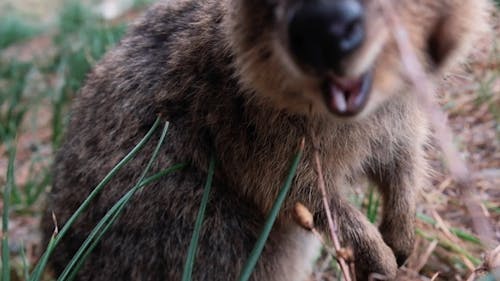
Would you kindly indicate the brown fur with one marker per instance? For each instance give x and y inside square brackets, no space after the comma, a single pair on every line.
[219,71]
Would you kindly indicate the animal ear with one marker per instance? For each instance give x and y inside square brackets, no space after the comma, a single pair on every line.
[455,31]
[442,43]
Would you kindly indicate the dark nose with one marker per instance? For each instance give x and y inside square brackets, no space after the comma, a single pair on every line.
[322,32]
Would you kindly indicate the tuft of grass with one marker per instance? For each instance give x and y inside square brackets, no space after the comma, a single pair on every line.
[82,40]
[9,186]
[13,105]
[74,17]
[15,102]
[13,30]
[85,34]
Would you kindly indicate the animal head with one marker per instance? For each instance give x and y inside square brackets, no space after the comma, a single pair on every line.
[339,57]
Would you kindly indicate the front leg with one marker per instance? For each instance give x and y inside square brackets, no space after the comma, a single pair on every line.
[371,254]
[398,181]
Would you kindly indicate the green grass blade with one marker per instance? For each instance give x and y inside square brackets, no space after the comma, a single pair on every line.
[373,204]
[161,174]
[45,258]
[449,245]
[193,245]
[101,229]
[14,29]
[273,214]
[464,235]
[37,272]
[5,217]
[370,205]
[375,209]
[110,217]
[26,271]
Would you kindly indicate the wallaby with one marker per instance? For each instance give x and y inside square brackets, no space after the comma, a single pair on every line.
[246,80]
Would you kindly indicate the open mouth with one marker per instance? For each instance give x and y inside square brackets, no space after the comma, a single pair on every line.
[347,96]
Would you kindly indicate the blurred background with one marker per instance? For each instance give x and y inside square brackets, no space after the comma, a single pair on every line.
[48,46]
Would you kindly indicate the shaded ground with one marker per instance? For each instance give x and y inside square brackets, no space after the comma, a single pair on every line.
[445,245]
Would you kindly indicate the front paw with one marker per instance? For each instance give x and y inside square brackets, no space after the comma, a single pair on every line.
[400,238]
[372,255]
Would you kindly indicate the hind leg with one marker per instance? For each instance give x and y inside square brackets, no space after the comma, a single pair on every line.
[150,239]
[398,183]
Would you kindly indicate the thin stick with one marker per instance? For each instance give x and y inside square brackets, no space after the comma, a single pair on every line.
[323,242]
[331,223]
[444,136]
[425,257]
[472,276]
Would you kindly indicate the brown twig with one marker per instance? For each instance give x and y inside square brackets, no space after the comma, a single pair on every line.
[435,276]
[331,222]
[304,218]
[56,227]
[425,257]
[472,276]
[444,136]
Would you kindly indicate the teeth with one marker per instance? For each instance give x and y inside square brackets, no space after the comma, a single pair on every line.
[346,96]
[339,99]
